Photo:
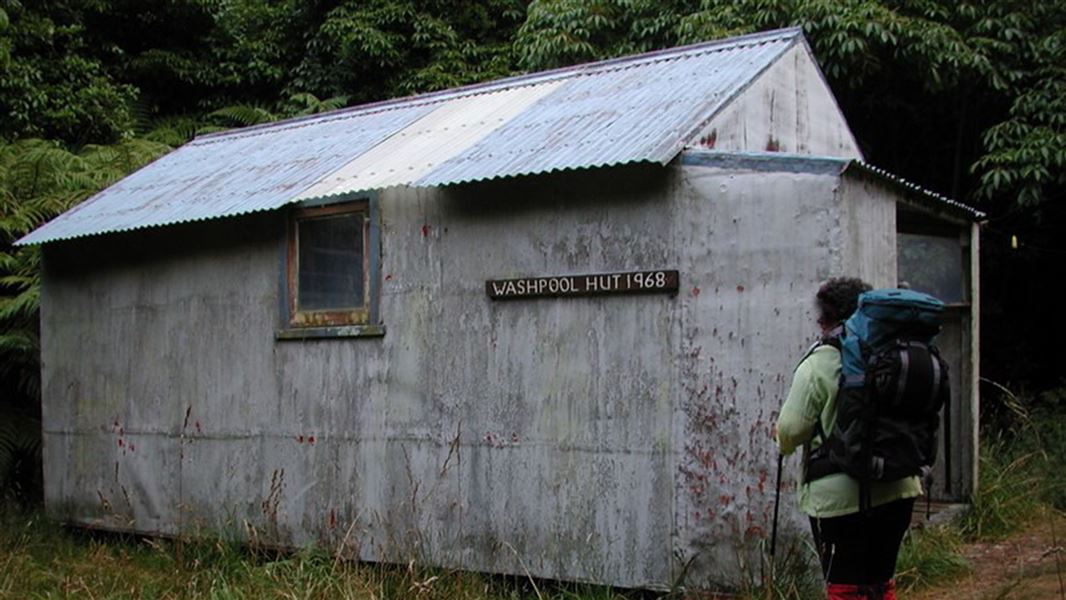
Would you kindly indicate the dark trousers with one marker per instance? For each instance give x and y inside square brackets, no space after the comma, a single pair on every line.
[861,548]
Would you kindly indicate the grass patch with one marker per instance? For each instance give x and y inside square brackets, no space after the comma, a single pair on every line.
[39,559]
[1021,460]
[1010,492]
[794,575]
[930,556]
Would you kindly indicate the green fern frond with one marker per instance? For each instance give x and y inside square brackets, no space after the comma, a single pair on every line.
[305,103]
[173,132]
[206,129]
[37,167]
[17,342]
[23,305]
[141,113]
[20,436]
[242,115]
[115,161]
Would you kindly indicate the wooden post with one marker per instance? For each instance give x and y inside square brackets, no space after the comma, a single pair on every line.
[975,350]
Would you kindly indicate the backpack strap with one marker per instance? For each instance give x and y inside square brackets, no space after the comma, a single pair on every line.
[816,462]
[831,338]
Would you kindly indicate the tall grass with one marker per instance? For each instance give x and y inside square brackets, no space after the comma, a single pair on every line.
[930,556]
[792,575]
[1010,491]
[1020,468]
[40,559]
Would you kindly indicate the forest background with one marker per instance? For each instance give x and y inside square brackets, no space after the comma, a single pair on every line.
[965,98]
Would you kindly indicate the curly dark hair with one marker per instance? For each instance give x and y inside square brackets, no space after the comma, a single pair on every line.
[837,298]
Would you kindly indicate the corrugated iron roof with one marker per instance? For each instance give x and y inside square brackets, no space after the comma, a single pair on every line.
[640,108]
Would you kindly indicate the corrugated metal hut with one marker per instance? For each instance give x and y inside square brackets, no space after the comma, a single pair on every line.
[537,325]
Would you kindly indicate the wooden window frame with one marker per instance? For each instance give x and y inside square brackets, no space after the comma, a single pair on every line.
[359,321]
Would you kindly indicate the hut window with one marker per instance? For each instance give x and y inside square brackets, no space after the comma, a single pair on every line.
[931,258]
[329,271]
[329,263]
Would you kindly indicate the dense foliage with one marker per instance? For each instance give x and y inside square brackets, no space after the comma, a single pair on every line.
[968,98]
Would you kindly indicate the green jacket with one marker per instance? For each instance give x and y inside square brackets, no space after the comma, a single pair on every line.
[811,398]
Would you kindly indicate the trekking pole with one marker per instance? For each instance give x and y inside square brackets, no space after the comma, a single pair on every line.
[777,501]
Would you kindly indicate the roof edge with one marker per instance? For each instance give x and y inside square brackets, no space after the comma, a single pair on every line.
[824,165]
[935,199]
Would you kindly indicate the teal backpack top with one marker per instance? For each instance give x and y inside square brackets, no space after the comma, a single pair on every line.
[882,317]
[893,386]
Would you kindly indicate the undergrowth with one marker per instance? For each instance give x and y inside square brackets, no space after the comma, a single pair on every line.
[1020,467]
[792,575]
[930,556]
[39,559]
[1010,491]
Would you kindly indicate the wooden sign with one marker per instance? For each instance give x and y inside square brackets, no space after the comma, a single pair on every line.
[634,282]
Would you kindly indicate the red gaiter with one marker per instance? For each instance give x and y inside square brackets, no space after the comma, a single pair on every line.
[847,591]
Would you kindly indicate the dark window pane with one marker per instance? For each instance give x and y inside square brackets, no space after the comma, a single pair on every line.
[932,264]
[330,263]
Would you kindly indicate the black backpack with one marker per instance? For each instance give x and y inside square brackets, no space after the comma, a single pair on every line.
[892,388]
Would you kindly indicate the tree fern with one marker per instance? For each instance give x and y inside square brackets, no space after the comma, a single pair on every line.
[20,455]
[39,179]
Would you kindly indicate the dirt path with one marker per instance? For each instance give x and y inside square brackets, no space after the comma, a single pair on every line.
[1021,567]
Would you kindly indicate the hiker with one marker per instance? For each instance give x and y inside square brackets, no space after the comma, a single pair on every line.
[857,547]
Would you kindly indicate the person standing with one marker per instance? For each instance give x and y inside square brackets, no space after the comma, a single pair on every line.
[857,549]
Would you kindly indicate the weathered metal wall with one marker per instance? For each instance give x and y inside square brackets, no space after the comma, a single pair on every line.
[867,244]
[757,245]
[605,438]
[790,108]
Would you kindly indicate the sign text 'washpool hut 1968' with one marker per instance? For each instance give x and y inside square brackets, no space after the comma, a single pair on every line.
[636,282]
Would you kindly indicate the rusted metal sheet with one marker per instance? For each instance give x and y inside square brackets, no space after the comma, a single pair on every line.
[640,108]
[632,282]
